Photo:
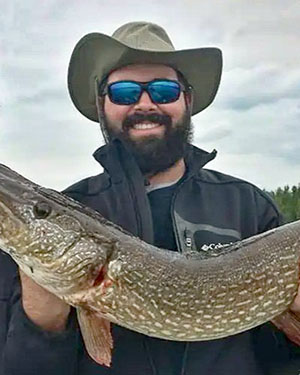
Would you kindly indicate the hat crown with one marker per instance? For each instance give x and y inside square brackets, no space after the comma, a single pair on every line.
[144,36]
[97,54]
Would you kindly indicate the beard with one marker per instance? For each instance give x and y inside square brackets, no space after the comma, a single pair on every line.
[154,154]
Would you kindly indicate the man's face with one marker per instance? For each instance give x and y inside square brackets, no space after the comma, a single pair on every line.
[161,143]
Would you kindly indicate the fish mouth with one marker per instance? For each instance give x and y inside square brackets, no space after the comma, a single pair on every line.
[12,196]
[7,174]
[5,202]
[14,189]
[9,200]
[6,212]
[10,226]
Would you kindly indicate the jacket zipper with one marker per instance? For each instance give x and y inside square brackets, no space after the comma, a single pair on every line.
[188,240]
[187,237]
[138,214]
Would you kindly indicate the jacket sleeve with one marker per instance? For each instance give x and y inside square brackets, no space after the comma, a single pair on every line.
[28,350]
[269,216]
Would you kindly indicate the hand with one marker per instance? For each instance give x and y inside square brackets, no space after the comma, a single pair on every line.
[289,321]
[42,307]
[295,306]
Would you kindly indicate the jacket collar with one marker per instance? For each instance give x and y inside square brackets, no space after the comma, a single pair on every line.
[114,157]
[195,158]
[109,157]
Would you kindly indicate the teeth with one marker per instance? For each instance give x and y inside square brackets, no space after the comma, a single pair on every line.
[145,126]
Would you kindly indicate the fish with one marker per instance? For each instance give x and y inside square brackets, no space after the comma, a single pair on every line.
[110,276]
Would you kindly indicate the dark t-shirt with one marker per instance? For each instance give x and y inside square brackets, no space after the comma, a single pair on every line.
[160,202]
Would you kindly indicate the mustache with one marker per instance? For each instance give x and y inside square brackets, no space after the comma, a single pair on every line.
[137,118]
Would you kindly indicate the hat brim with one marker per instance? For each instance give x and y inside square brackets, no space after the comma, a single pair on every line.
[96,55]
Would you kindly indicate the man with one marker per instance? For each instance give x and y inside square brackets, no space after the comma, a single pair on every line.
[154,185]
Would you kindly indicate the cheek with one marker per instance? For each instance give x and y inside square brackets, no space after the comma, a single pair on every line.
[176,109]
[115,113]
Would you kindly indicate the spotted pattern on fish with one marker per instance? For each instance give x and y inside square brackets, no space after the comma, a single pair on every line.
[93,264]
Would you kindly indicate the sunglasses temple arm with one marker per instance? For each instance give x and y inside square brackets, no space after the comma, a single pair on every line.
[99,101]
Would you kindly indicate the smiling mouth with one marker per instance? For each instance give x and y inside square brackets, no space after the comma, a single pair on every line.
[145,126]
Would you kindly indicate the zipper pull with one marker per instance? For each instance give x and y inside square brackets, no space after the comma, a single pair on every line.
[188,239]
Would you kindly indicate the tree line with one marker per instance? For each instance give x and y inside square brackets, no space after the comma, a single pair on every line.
[288,201]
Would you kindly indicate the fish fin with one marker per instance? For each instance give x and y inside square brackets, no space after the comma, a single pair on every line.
[289,324]
[96,335]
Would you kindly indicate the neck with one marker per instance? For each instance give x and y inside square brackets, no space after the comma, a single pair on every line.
[170,175]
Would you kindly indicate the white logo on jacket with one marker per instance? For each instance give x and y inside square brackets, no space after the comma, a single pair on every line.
[215,246]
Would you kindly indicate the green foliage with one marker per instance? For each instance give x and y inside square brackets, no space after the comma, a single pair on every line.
[288,201]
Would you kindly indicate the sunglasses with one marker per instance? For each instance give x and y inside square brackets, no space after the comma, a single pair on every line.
[161,91]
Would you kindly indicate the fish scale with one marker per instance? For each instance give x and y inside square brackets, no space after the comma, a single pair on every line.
[108,274]
[253,291]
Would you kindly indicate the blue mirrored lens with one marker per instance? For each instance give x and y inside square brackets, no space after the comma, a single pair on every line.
[164,91]
[124,92]
[129,92]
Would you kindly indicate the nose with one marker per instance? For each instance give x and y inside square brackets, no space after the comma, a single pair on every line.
[145,103]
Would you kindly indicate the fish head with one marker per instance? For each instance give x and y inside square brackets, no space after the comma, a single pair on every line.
[52,238]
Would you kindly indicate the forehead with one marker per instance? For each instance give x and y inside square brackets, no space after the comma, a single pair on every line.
[142,73]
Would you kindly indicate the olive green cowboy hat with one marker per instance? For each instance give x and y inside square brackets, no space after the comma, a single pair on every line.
[96,55]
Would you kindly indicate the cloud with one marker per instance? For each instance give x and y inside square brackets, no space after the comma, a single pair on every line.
[270,130]
[214,133]
[257,168]
[254,121]
[244,89]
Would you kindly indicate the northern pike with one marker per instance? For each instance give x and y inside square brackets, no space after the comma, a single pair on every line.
[109,275]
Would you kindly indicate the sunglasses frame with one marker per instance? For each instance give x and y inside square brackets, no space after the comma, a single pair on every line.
[144,87]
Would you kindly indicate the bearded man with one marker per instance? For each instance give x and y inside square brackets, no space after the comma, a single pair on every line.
[143,93]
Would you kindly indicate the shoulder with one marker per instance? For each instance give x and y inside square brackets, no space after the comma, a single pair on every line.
[249,197]
[214,177]
[208,176]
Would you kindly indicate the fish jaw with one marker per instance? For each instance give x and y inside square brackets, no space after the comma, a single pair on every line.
[62,266]
[46,238]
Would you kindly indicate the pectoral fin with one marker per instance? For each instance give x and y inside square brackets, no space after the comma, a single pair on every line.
[96,335]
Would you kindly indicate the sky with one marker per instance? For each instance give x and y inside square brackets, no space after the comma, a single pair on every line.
[253,122]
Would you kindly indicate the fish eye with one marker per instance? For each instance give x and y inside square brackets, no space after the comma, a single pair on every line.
[41,210]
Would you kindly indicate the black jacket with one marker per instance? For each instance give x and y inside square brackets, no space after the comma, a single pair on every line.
[208,209]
